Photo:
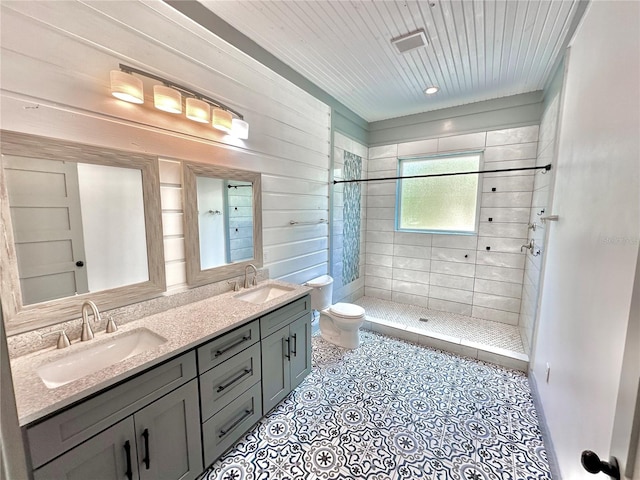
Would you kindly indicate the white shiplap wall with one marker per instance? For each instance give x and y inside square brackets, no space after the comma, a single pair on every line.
[354,290]
[56,58]
[455,273]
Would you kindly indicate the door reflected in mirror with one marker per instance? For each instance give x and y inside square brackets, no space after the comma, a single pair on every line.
[69,233]
[223,222]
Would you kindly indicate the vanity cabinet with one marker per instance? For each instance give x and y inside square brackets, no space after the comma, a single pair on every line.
[230,388]
[286,350]
[144,428]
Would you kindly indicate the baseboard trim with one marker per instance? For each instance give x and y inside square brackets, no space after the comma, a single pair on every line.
[544,428]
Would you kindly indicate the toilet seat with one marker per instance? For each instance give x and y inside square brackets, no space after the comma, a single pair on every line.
[347,311]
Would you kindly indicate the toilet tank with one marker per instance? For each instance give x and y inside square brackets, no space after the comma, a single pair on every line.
[322,293]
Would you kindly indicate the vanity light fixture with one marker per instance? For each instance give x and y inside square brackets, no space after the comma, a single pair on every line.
[168,97]
[431,90]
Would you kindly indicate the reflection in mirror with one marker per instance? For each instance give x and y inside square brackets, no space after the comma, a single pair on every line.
[225,221]
[68,230]
[81,223]
[223,227]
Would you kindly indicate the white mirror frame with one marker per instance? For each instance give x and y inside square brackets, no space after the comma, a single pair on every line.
[21,318]
[195,275]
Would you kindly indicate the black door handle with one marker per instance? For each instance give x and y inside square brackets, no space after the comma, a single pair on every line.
[592,464]
[147,458]
[127,451]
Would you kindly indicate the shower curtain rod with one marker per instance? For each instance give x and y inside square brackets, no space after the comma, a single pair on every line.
[544,168]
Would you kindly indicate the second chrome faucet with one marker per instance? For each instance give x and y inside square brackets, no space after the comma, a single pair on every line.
[246,275]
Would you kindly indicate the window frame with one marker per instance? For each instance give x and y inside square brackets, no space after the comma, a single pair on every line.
[438,156]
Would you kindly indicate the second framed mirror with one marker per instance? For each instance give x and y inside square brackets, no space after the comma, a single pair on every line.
[222,221]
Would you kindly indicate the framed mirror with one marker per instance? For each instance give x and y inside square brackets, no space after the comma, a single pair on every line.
[222,221]
[78,223]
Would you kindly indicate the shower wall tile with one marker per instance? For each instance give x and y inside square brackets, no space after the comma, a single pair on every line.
[513,135]
[505,214]
[453,268]
[454,254]
[378,271]
[380,225]
[378,201]
[451,294]
[511,260]
[379,237]
[500,274]
[377,293]
[462,142]
[389,164]
[378,282]
[504,230]
[497,302]
[381,188]
[497,244]
[455,241]
[453,307]
[519,183]
[408,263]
[508,199]
[416,276]
[383,151]
[410,288]
[413,251]
[421,147]
[381,260]
[380,248]
[508,289]
[420,239]
[382,213]
[451,281]
[420,300]
[510,152]
[495,315]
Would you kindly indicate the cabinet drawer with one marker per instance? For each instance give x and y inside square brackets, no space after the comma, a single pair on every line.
[230,423]
[222,384]
[65,430]
[274,321]
[226,346]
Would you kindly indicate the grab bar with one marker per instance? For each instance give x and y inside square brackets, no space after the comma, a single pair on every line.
[294,222]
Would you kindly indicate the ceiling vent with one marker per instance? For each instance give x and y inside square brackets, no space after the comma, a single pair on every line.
[410,41]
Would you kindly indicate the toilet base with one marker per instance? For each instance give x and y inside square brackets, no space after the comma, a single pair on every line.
[342,338]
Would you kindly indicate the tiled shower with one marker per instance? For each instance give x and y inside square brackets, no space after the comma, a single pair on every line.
[480,276]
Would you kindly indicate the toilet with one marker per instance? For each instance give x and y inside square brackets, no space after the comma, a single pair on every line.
[339,323]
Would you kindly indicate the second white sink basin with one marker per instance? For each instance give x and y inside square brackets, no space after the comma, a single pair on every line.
[100,355]
[263,294]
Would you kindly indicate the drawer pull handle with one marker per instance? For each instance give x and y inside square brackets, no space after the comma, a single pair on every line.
[127,451]
[224,431]
[286,350]
[245,372]
[146,459]
[294,350]
[234,344]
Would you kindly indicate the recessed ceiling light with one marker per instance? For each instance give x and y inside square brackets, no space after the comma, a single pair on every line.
[431,90]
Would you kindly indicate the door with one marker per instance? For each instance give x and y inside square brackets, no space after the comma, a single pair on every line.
[107,456]
[300,338]
[626,427]
[168,436]
[276,380]
[44,201]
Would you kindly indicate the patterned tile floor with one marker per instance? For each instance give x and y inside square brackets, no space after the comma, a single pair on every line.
[394,410]
[485,332]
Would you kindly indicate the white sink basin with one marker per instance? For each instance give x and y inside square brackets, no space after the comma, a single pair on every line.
[100,355]
[263,294]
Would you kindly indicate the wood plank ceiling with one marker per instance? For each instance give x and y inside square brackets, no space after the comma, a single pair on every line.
[478,49]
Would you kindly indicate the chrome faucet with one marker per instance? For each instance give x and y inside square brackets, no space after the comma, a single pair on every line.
[87,333]
[246,276]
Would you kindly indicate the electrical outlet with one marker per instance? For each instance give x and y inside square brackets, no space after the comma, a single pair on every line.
[548,372]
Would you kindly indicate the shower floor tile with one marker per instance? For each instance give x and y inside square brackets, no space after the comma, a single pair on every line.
[470,329]
[393,410]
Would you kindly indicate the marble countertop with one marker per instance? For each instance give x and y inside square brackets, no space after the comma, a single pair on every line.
[184,328]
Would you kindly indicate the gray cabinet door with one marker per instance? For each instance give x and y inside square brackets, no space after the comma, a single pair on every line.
[300,337]
[106,456]
[168,436]
[276,380]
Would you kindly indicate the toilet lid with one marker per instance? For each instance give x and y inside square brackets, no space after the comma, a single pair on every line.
[347,310]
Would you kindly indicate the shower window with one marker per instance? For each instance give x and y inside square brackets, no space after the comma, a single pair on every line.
[447,204]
